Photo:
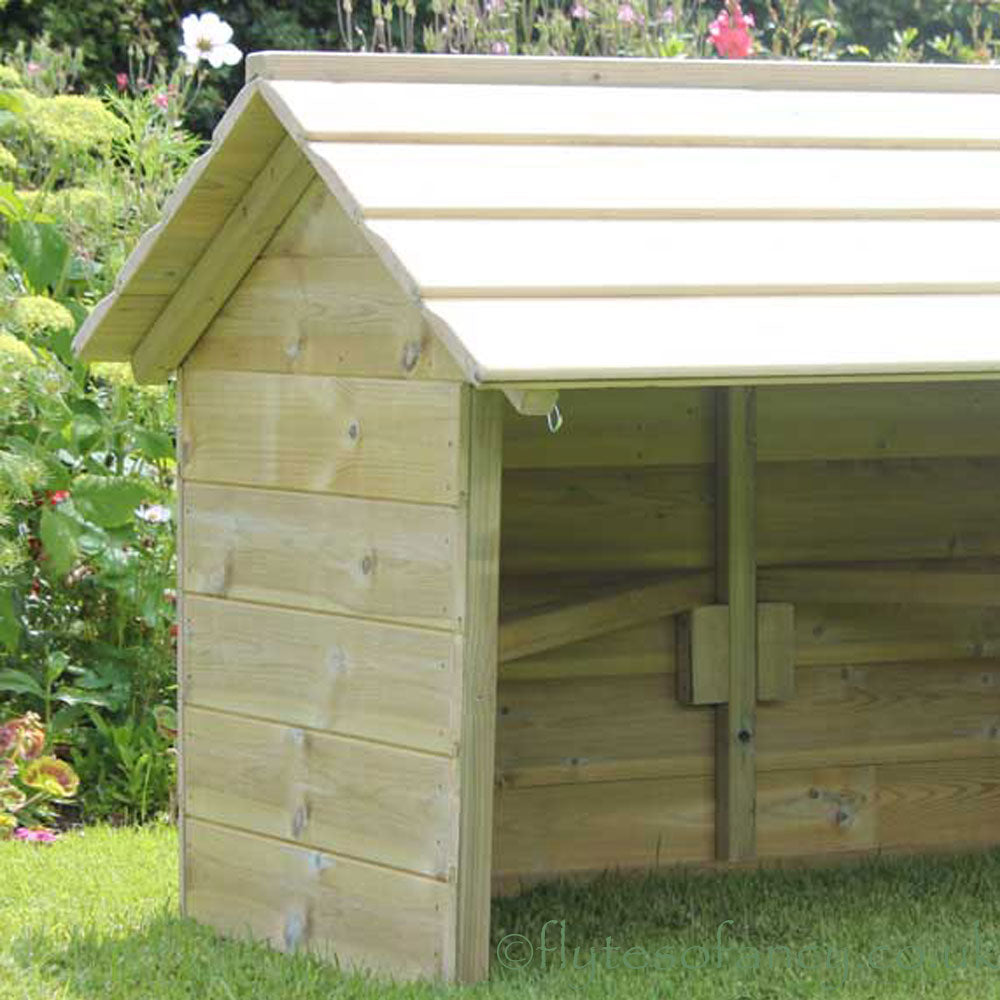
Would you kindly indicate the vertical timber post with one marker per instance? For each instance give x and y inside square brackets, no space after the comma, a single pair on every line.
[182,630]
[736,573]
[477,741]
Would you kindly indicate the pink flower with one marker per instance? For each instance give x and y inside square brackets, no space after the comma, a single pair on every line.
[627,14]
[500,49]
[35,835]
[580,13]
[57,497]
[121,81]
[162,101]
[730,34]
[33,68]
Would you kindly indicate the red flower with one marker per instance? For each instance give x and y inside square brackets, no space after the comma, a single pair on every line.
[56,497]
[121,81]
[730,32]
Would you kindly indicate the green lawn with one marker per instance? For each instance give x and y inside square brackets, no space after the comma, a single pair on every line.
[94,918]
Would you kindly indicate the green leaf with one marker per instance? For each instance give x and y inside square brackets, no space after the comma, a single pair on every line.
[108,501]
[59,539]
[154,445]
[10,623]
[19,682]
[10,102]
[41,251]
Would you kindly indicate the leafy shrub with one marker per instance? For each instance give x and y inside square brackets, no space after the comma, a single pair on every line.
[30,780]
[86,455]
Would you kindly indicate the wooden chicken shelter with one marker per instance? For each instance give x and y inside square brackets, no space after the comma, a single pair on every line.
[742,604]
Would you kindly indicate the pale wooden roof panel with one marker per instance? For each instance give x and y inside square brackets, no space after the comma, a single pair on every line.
[704,339]
[579,220]
[439,181]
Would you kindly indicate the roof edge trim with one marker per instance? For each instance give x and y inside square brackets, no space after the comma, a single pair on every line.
[623,72]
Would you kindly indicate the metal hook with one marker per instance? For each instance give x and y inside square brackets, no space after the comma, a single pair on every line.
[554,419]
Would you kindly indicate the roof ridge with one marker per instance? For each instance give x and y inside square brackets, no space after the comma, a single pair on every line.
[622,72]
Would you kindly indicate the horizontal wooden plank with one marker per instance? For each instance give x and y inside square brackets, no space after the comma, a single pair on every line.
[354,437]
[937,803]
[341,795]
[878,421]
[473,258]
[674,426]
[562,624]
[825,635]
[292,897]
[608,520]
[545,181]
[660,519]
[344,675]
[373,558]
[401,112]
[639,824]
[600,729]
[847,511]
[554,341]
[763,74]
[322,316]
[867,633]
[881,714]
[881,584]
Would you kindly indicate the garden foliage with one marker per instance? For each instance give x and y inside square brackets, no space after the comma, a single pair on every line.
[86,455]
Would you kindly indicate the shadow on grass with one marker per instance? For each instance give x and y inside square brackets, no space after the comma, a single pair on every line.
[711,924]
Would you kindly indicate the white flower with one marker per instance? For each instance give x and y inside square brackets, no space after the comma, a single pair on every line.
[153,513]
[208,37]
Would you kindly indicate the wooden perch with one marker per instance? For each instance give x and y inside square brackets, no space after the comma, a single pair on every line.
[550,627]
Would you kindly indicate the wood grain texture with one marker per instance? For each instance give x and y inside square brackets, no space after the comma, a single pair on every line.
[775,652]
[242,143]
[296,898]
[703,656]
[884,714]
[736,585]
[599,258]
[340,795]
[593,729]
[477,741]
[611,72]
[323,316]
[675,426]
[224,262]
[945,803]
[648,824]
[564,624]
[546,181]
[372,558]
[866,633]
[353,437]
[344,675]
[884,584]
[642,649]
[553,341]
[467,113]
[661,519]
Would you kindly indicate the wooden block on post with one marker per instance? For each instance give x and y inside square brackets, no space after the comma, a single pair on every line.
[736,572]
[703,656]
[775,652]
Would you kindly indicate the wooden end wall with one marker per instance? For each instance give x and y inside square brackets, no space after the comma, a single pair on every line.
[893,737]
[334,634]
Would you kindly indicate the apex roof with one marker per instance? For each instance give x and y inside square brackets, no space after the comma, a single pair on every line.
[589,221]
